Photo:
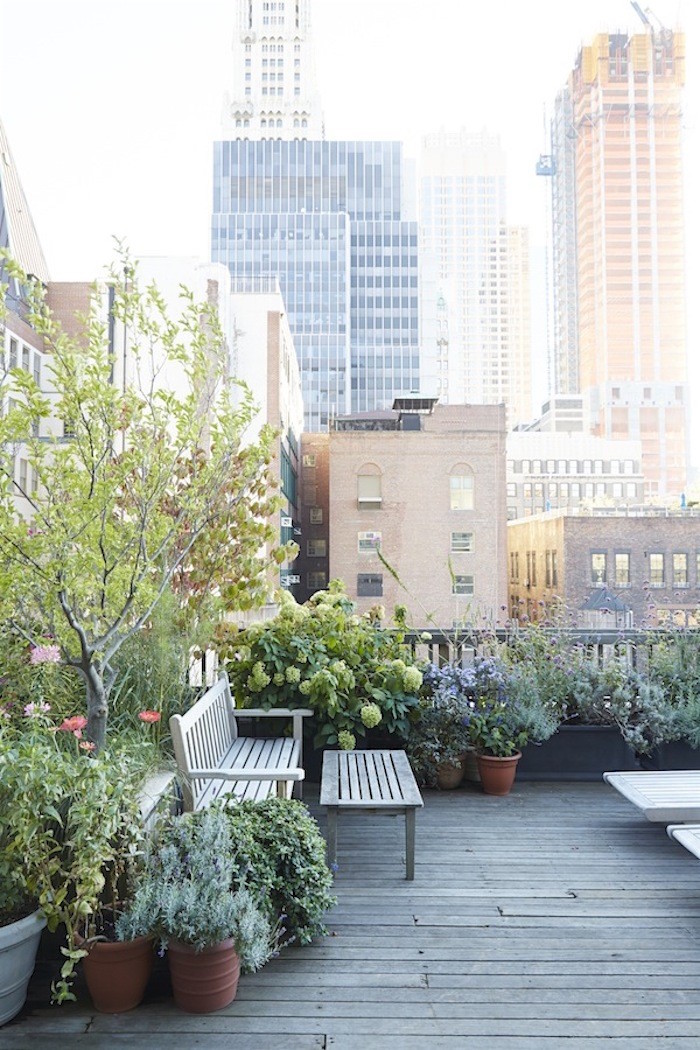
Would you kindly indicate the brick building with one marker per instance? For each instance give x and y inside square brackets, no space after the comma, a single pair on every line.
[648,559]
[423,484]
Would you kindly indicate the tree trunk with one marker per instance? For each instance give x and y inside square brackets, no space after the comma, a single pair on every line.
[96,705]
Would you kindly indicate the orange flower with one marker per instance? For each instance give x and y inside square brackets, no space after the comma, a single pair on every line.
[74,725]
[149,716]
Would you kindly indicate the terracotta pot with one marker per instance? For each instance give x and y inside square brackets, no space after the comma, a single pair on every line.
[497,774]
[203,981]
[450,776]
[117,973]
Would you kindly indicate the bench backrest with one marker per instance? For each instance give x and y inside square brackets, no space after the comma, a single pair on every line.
[203,736]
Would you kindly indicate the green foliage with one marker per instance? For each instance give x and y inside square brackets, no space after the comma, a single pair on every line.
[152,673]
[185,892]
[613,695]
[279,846]
[22,682]
[69,827]
[439,727]
[323,656]
[674,667]
[151,488]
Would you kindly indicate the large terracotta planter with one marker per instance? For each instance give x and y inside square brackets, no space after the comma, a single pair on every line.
[19,942]
[117,973]
[203,981]
[497,774]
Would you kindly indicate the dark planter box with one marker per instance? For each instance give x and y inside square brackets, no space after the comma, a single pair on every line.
[374,740]
[675,755]
[577,753]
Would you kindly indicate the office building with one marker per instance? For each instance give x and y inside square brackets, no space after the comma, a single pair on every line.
[481,267]
[330,220]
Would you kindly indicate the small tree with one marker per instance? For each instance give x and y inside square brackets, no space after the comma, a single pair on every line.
[144,484]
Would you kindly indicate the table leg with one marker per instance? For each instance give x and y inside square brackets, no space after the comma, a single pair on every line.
[332,835]
[410,843]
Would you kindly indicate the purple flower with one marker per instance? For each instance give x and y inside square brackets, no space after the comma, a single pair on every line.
[45,654]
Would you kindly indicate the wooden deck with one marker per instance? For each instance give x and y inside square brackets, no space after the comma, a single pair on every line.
[556,917]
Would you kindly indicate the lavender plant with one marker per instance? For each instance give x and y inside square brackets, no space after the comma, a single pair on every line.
[185,893]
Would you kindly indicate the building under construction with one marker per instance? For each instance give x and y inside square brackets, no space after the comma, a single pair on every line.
[618,244]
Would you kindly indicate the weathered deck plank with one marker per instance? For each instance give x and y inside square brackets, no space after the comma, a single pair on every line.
[552,918]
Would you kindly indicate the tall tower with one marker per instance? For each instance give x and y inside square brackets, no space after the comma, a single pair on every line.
[328,220]
[274,93]
[624,130]
[465,238]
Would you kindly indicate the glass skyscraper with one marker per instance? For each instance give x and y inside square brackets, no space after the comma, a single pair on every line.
[325,218]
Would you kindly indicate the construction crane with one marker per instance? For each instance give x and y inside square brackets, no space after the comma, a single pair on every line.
[644,15]
[641,14]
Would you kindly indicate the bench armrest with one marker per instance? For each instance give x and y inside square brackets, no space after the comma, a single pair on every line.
[274,712]
[246,774]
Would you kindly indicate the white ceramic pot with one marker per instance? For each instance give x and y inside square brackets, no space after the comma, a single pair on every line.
[19,942]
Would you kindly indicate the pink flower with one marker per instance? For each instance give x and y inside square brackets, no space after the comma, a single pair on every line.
[87,745]
[74,725]
[45,654]
[149,716]
[31,710]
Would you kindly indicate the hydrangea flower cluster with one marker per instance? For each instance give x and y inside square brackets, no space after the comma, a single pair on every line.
[371,715]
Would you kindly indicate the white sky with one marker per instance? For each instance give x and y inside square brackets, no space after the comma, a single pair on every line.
[111,107]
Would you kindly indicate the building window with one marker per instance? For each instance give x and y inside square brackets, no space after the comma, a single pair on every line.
[369,490]
[37,369]
[370,585]
[514,566]
[316,515]
[680,570]
[599,568]
[461,492]
[368,542]
[555,570]
[25,358]
[462,584]
[622,569]
[316,548]
[462,542]
[533,568]
[13,353]
[308,461]
[23,474]
[315,581]
[656,570]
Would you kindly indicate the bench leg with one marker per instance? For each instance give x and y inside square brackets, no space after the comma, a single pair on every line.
[410,843]
[332,836]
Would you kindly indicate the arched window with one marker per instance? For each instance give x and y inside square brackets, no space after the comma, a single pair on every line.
[461,487]
[369,486]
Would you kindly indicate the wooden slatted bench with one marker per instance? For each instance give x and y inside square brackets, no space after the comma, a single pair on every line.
[214,761]
[669,796]
[688,835]
[369,781]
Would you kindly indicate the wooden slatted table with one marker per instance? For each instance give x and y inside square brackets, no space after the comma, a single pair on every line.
[369,781]
[670,796]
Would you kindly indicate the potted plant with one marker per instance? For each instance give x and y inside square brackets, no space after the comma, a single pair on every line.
[184,898]
[69,820]
[494,730]
[439,736]
[279,846]
[21,924]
